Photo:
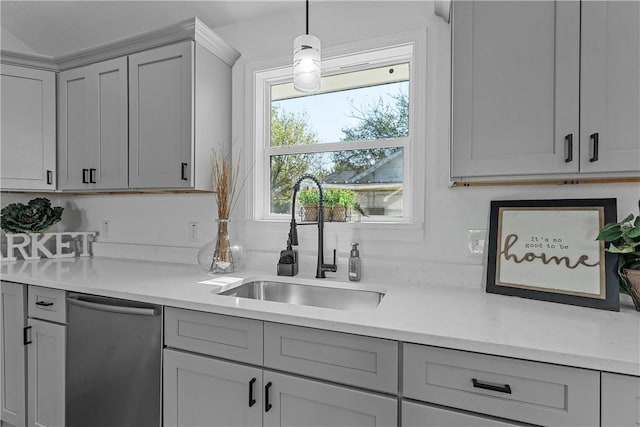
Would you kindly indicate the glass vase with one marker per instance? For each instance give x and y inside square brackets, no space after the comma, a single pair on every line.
[219,256]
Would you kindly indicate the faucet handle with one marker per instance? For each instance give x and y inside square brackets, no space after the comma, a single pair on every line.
[331,267]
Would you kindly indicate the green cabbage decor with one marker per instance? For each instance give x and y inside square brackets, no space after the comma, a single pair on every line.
[35,217]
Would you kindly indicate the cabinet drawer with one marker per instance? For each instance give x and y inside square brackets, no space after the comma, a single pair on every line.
[532,392]
[227,337]
[366,362]
[47,304]
[416,415]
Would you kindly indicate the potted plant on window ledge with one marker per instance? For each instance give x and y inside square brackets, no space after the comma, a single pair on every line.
[339,203]
[309,199]
[626,236]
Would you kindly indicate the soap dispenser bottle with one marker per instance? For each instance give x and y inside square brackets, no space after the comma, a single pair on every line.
[355,267]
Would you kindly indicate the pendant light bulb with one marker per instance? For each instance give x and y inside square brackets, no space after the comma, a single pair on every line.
[306,61]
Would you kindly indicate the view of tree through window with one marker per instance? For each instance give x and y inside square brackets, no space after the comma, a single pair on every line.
[362,128]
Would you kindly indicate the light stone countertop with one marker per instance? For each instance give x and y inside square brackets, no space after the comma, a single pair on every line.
[445,316]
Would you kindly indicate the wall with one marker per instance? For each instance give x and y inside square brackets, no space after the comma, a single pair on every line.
[156,226]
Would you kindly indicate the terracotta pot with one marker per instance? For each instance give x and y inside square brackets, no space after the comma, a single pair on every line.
[633,279]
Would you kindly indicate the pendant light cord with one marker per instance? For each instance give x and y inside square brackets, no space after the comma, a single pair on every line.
[307,17]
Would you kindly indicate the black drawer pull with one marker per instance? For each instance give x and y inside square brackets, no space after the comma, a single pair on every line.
[267,405]
[594,137]
[183,172]
[44,303]
[92,176]
[568,146]
[26,335]
[85,179]
[499,388]
[49,177]
[252,401]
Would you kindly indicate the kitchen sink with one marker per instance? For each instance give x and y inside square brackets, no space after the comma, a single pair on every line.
[316,296]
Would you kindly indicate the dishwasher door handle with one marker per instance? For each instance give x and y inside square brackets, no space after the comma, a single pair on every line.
[138,311]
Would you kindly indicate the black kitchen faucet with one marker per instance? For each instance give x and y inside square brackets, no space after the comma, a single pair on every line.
[287,265]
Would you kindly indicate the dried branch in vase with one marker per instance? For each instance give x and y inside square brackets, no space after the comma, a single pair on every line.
[225,176]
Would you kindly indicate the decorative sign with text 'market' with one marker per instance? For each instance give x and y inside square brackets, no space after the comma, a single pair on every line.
[47,245]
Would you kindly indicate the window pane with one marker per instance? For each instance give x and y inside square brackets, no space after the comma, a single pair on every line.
[375,176]
[368,104]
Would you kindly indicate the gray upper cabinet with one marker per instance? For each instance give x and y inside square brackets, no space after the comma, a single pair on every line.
[508,59]
[161,121]
[92,113]
[610,87]
[172,131]
[28,141]
[535,83]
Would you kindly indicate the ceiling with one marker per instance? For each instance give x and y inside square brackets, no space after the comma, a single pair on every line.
[57,28]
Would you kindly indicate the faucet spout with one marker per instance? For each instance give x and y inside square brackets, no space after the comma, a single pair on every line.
[321,266]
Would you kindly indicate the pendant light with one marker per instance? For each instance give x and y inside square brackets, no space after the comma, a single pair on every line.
[306,61]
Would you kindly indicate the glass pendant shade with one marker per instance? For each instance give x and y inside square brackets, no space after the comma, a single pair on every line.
[306,63]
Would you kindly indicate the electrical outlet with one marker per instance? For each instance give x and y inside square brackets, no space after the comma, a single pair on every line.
[193,232]
[106,229]
[475,242]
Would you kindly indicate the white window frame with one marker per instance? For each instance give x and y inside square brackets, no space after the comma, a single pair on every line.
[401,48]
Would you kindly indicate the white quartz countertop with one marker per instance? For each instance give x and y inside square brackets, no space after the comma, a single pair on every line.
[445,316]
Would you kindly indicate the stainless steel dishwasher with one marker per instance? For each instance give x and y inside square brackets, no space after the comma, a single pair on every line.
[114,371]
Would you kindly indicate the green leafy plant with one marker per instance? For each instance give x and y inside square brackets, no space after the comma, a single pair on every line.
[626,236]
[35,217]
[308,197]
[340,197]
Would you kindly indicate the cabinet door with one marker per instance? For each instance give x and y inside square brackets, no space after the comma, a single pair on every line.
[610,87]
[93,106]
[161,117]
[201,391]
[46,357]
[620,400]
[297,402]
[74,128]
[13,320]
[515,87]
[28,136]
[416,415]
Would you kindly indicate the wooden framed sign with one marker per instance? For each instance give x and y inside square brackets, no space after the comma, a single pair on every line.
[546,250]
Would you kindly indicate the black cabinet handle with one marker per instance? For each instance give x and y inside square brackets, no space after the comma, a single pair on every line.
[183,172]
[49,177]
[44,303]
[252,401]
[85,179]
[499,388]
[92,176]
[568,148]
[594,137]
[26,336]
[267,405]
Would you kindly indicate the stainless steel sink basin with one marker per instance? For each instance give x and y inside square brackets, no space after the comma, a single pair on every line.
[316,296]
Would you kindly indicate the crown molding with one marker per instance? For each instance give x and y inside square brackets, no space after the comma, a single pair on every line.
[189,29]
[30,60]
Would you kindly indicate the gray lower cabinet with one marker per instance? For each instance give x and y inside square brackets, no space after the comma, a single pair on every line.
[227,377]
[202,391]
[519,390]
[13,354]
[46,355]
[419,415]
[620,403]
[33,356]
[296,402]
